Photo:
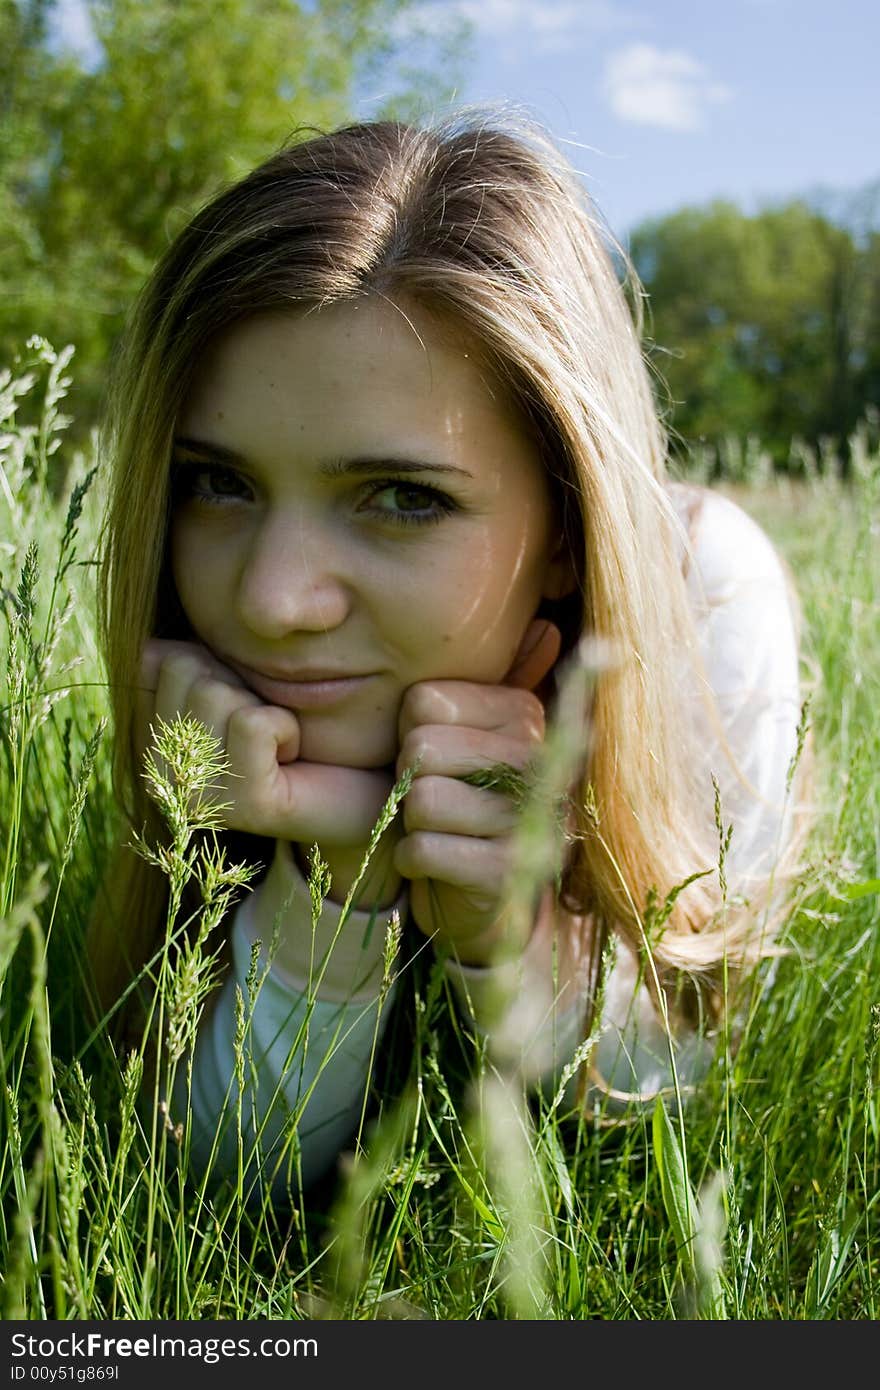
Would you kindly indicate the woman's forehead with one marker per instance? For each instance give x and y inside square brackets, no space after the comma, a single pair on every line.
[367,356]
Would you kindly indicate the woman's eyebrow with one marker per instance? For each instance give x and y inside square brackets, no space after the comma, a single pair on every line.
[217,452]
[331,468]
[335,468]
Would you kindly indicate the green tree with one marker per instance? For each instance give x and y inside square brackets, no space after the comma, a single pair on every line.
[868,347]
[102,160]
[27,87]
[758,323]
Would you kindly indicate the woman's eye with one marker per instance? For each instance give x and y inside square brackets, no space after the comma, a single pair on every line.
[408,503]
[210,483]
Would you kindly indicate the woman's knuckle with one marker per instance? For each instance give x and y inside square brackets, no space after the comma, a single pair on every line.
[420,806]
[413,705]
[532,719]
[182,666]
[419,845]
[245,722]
[415,747]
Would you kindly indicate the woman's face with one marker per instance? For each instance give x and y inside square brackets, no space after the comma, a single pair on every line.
[355,511]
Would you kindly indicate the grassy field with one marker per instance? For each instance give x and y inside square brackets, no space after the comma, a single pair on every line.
[759,1203]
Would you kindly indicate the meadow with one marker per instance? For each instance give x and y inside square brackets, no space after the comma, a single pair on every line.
[755,1201]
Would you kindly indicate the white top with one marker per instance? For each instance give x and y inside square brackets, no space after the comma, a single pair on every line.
[309,1053]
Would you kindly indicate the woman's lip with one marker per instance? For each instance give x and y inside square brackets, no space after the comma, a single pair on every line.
[311,693]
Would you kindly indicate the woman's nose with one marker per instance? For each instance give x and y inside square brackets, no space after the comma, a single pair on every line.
[293,579]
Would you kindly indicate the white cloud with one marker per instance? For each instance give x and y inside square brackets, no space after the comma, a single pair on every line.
[660,87]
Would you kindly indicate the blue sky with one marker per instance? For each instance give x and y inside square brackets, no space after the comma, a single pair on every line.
[668,102]
[662,103]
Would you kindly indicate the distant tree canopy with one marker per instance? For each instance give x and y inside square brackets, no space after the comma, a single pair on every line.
[101,160]
[766,324]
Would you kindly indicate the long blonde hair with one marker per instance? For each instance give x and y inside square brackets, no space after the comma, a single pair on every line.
[481,220]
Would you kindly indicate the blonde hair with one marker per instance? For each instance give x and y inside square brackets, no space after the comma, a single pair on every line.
[480,220]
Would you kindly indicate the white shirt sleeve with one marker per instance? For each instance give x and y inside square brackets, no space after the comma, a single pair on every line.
[300,1074]
[747,627]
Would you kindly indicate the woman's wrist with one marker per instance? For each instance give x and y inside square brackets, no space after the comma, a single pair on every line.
[522,999]
[483,951]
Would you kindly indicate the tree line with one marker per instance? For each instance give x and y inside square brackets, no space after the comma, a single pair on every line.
[764,325]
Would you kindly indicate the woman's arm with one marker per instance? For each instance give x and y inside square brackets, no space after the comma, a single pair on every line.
[535,1009]
[534,1013]
[311,1026]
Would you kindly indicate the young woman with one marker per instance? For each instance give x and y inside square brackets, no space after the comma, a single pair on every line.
[386,452]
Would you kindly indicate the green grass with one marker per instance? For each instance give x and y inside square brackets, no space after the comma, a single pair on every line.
[467,1201]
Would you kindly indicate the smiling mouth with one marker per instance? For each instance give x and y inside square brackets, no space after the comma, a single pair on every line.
[312,690]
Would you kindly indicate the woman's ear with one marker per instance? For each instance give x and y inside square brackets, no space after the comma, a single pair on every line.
[560,579]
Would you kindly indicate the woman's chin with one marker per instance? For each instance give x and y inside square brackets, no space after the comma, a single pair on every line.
[343,748]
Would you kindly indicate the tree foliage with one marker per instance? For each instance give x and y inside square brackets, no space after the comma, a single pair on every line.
[765,324]
[103,157]
[762,325]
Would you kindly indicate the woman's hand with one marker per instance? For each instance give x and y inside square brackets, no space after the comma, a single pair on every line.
[459,838]
[267,790]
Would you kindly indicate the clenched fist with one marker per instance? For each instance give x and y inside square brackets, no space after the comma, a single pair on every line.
[458,843]
[268,790]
